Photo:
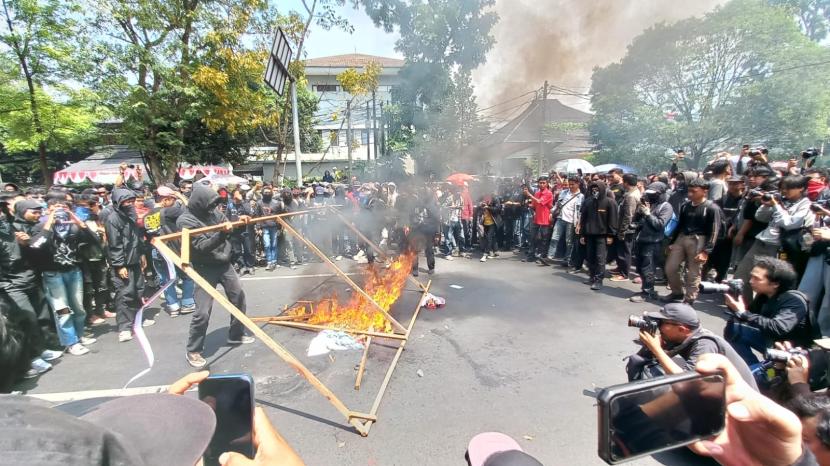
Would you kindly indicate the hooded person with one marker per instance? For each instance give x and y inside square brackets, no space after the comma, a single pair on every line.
[598,223]
[211,258]
[681,189]
[125,250]
[21,296]
[651,217]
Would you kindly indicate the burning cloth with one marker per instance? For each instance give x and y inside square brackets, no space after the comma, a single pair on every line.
[430,301]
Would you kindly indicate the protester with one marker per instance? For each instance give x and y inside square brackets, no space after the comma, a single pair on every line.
[539,236]
[598,225]
[626,230]
[651,217]
[566,213]
[211,258]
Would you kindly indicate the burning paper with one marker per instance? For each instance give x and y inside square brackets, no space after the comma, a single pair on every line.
[330,340]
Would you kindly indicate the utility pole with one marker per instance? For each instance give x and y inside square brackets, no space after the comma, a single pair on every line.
[374,127]
[368,146]
[349,136]
[382,133]
[294,116]
[544,117]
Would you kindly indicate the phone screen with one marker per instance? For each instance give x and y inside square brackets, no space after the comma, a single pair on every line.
[664,416]
[231,397]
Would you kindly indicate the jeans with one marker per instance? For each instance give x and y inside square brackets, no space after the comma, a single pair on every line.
[269,241]
[453,236]
[562,231]
[170,296]
[539,241]
[96,287]
[242,247]
[65,295]
[744,339]
[647,258]
[816,285]
[214,275]
[624,247]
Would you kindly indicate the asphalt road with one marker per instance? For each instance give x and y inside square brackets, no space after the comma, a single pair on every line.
[512,352]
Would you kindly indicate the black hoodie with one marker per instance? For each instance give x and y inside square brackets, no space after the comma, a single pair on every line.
[16,269]
[124,237]
[211,248]
[600,216]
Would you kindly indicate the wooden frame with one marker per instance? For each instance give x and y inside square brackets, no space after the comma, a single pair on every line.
[362,422]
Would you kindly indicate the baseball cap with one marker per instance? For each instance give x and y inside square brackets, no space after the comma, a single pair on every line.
[735,179]
[164,191]
[762,170]
[136,430]
[676,312]
[497,449]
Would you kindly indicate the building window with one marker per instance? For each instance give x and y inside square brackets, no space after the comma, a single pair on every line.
[325,87]
[364,137]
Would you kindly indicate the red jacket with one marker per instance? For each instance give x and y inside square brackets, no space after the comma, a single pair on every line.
[467,205]
[541,209]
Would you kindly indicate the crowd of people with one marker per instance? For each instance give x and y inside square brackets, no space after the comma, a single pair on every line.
[71,259]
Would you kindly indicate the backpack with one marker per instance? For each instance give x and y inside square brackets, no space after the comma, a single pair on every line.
[671,225]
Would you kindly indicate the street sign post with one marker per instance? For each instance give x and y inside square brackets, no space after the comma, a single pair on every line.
[276,74]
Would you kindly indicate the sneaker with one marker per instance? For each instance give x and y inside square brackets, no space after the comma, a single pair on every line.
[96,321]
[173,313]
[196,360]
[50,355]
[125,335]
[448,257]
[270,267]
[77,350]
[495,254]
[589,281]
[637,281]
[672,297]
[483,259]
[431,271]
[619,278]
[189,309]
[415,273]
[245,340]
[88,340]
[39,366]
[338,258]
[252,270]
[597,285]
[148,323]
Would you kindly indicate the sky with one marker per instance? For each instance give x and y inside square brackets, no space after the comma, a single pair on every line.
[366,39]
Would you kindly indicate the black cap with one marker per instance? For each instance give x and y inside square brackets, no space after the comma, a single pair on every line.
[735,179]
[762,170]
[138,430]
[680,313]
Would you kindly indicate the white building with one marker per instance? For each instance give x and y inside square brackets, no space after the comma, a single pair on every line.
[331,118]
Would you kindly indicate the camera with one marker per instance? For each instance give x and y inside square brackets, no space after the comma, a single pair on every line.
[644,323]
[754,153]
[810,153]
[820,206]
[732,287]
[764,195]
[784,356]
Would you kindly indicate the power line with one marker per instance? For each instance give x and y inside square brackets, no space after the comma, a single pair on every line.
[507,101]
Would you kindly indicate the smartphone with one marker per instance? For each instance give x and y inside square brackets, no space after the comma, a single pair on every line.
[232,398]
[645,417]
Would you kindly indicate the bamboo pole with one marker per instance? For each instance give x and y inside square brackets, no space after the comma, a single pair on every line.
[393,336]
[278,349]
[185,246]
[238,223]
[392,366]
[371,244]
[362,366]
[280,318]
[286,226]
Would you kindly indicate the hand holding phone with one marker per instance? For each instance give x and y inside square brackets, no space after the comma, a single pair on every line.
[231,397]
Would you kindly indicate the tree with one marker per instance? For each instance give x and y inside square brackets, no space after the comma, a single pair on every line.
[442,41]
[742,73]
[42,36]
[813,16]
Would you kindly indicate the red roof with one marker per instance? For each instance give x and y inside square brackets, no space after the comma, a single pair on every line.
[354,60]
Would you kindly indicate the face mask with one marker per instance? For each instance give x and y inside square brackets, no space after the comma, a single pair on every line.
[267,197]
[129,211]
[595,193]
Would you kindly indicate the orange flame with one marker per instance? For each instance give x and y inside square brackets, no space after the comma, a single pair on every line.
[384,285]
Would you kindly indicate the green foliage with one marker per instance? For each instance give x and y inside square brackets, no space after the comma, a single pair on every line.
[740,74]
[442,41]
[812,16]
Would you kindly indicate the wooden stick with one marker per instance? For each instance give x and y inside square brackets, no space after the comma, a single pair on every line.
[278,349]
[393,336]
[391,369]
[287,227]
[185,246]
[371,244]
[207,229]
[362,366]
[280,318]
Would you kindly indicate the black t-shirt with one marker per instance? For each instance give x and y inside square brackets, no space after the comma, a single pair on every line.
[749,214]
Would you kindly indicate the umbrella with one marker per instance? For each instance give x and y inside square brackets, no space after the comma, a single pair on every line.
[573,166]
[224,179]
[460,178]
[604,168]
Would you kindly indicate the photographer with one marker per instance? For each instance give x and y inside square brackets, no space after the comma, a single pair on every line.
[786,213]
[652,215]
[816,279]
[778,312]
[680,343]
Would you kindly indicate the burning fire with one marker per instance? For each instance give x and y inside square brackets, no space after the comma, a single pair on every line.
[384,285]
